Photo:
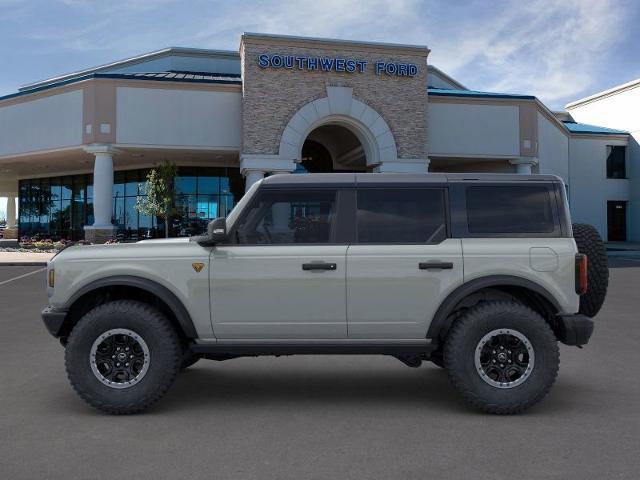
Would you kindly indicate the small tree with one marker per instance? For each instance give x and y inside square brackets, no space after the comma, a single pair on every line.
[160,193]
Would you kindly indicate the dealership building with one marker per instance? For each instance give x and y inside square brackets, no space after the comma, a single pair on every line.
[75,149]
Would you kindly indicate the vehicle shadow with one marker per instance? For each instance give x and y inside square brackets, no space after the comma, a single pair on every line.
[208,385]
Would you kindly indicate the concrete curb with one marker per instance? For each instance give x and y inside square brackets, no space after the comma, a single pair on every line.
[624,253]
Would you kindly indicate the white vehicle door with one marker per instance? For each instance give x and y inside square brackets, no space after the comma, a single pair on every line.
[283,275]
[402,264]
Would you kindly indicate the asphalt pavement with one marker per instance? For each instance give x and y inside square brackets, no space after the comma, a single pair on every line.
[320,417]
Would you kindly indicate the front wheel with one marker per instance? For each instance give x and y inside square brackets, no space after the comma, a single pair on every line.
[502,357]
[123,356]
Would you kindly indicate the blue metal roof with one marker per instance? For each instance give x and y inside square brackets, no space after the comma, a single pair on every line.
[444,92]
[575,127]
[188,77]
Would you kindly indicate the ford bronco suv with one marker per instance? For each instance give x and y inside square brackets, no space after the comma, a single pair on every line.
[480,274]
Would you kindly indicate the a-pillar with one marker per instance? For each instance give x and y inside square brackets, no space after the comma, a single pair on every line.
[102,228]
[524,164]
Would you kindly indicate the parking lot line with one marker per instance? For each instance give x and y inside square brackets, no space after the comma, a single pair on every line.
[22,276]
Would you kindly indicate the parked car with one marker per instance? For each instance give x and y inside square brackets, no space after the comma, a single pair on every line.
[480,274]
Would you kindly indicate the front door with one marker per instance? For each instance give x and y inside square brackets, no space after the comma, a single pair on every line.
[617,221]
[284,275]
[402,263]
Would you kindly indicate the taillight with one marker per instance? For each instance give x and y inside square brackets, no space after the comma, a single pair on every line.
[581,274]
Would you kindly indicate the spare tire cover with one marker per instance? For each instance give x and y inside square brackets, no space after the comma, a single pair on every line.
[590,243]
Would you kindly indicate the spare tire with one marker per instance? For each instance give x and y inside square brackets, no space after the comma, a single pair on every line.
[590,243]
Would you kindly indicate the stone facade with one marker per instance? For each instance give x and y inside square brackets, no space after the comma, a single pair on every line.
[272,96]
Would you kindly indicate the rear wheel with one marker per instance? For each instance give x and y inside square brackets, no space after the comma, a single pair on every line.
[122,356]
[502,357]
[590,243]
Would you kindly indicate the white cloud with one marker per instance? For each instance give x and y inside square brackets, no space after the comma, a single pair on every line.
[557,50]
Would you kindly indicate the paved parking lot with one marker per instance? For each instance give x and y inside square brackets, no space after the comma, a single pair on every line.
[320,417]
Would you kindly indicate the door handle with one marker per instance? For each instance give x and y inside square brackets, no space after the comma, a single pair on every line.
[435,265]
[319,266]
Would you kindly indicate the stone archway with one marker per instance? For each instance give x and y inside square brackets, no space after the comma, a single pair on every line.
[339,108]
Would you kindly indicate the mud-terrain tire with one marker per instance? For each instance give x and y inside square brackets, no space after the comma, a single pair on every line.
[466,355]
[112,328]
[590,243]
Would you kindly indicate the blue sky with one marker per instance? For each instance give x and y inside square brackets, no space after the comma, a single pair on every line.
[557,50]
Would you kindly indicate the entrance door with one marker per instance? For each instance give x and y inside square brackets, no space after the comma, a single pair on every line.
[401,264]
[617,221]
[285,275]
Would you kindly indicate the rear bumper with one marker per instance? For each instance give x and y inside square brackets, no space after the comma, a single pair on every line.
[54,320]
[574,329]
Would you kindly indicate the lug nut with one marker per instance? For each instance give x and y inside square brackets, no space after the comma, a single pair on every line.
[126,364]
[117,364]
[127,349]
[113,356]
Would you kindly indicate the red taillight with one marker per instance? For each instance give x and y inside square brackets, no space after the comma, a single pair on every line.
[581,274]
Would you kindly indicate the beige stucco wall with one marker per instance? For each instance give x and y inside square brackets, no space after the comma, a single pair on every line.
[272,96]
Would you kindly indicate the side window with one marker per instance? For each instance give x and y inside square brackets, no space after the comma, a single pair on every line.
[616,161]
[289,217]
[415,215]
[509,209]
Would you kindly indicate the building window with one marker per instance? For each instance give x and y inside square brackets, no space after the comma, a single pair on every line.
[60,207]
[616,161]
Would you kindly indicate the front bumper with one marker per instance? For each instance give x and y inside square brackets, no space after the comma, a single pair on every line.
[574,329]
[54,320]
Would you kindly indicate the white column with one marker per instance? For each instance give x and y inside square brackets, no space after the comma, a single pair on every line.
[251,177]
[524,164]
[103,189]
[11,211]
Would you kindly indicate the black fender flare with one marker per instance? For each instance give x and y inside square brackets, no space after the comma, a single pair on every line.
[440,321]
[163,293]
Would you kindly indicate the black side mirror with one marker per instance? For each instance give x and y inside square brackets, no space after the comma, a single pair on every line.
[217,230]
[216,233]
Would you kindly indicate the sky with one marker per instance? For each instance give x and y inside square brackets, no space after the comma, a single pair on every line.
[557,50]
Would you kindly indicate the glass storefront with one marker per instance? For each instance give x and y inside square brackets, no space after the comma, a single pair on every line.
[60,207]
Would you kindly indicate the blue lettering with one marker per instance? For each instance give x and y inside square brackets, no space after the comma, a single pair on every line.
[288,61]
[340,64]
[351,66]
[392,69]
[301,61]
[361,65]
[413,70]
[379,67]
[326,63]
[263,61]
[276,61]
[402,69]
[312,63]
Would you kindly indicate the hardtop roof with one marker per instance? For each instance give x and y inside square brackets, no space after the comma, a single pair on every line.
[353,179]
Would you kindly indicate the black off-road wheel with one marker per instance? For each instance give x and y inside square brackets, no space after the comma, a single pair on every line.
[502,357]
[590,243]
[122,356]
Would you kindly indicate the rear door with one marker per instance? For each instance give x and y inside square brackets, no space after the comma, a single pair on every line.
[284,276]
[402,263]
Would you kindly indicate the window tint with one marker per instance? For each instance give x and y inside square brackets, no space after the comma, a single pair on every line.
[616,162]
[509,209]
[401,216]
[278,218]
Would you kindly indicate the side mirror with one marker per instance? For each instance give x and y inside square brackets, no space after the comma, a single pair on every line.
[217,230]
[216,233]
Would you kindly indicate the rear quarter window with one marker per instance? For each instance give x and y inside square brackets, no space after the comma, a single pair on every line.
[495,209]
